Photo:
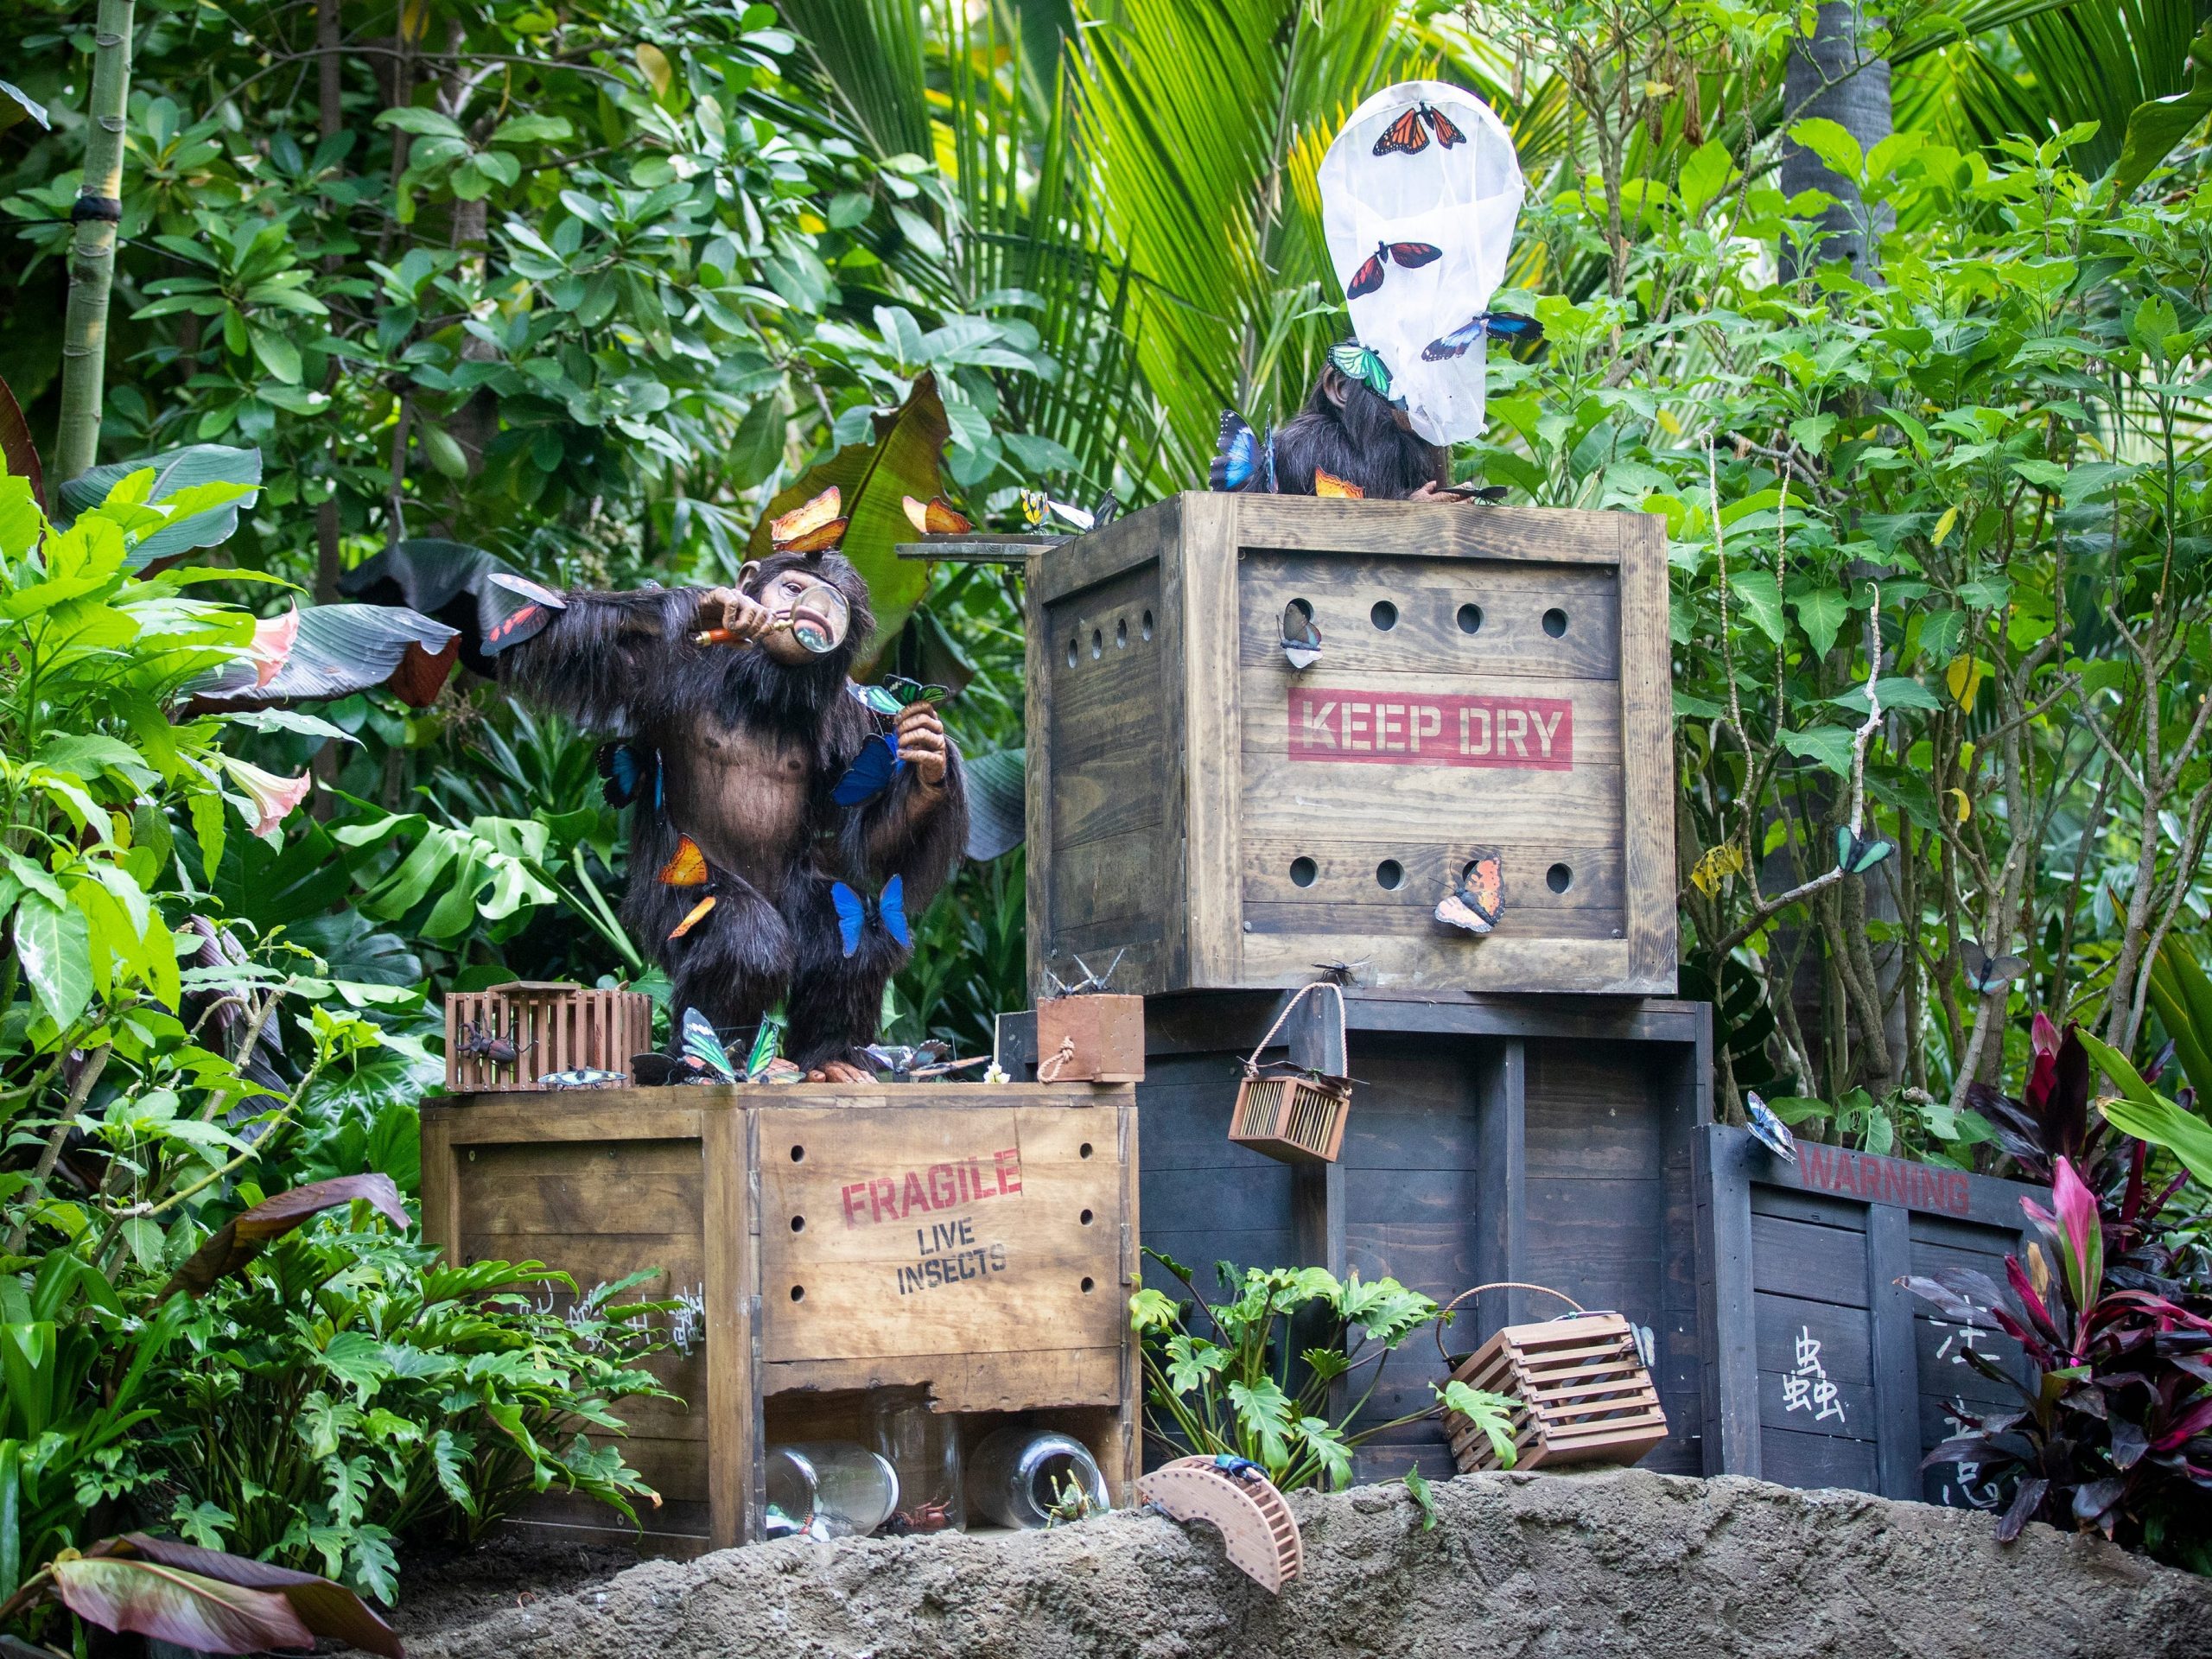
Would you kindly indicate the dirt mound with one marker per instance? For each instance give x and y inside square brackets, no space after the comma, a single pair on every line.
[1617,1562]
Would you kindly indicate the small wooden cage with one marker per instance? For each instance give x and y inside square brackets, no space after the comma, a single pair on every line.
[552,1027]
[1296,1116]
[1584,1395]
[1489,680]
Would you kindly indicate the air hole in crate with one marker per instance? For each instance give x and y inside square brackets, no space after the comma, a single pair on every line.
[1071,653]
[1090,1285]
[1122,633]
[1085,1218]
[799,1224]
[1390,875]
[1098,643]
[1384,615]
[1303,871]
[1084,1151]
[1559,878]
[1147,625]
[799,1293]
[798,1154]
[1555,622]
[1471,618]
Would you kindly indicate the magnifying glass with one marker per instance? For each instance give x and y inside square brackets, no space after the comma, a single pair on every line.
[818,619]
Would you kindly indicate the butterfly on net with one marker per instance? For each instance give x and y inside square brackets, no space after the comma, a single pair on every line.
[1855,854]
[813,526]
[1355,362]
[1408,134]
[936,517]
[1240,453]
[627,771]
[1478,901]
[897,694]
[1408,255]
[1491,324]
[1986,973]
[857,914]
[1769,1130]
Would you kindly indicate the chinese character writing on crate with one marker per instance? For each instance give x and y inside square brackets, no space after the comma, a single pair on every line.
[1979,1493]
[1808,1389]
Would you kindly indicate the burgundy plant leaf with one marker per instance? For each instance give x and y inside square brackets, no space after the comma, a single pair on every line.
[2066,1107]
[203,1614]
[2042,1035]
[2046,1327]
[2129,1443]
[2096,1502]
[2080,1228]
[2025,1502]
[2192,1423]
[238,1239]
[1969,1448]
[2088,1399]
[325,1608]
[2159,1062]
[18,446]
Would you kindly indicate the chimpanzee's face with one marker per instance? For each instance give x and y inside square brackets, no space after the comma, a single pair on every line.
[817,611]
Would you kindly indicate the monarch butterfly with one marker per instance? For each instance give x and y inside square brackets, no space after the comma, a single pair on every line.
[811,526]
[936,517]
[1479,899]
[1404,136]
[1240,453]
[1329,484]
[687,865]
[1408,255]
[1355,362]
[1497,325]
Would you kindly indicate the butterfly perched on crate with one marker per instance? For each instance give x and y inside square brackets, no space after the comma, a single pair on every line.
[858,914]
[1356,362]
[813,526]
[1986,973]
[936,517]
[1240,453]
[1407,256]
[584,1076]
[1855,854]
[1301,635]
[1037,508]
[1409,134]
[1769,1130]
[703,1051]
[1484,324]
[1478,901]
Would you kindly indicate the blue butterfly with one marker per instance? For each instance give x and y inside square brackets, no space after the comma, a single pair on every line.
[1855,854]
[626,768]
[871,772]
[854,913]
[1240,453]
[1237,1468]
[1769,1130]
[1497,325]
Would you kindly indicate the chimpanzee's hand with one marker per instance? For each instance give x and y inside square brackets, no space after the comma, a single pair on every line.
[1432,490]
[839,1071]
[921,743]
[744,617]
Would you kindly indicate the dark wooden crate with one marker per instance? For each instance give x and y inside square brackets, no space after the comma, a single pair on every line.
[764,1208]
[1199,804]
[1791,1256]
[1545,1139]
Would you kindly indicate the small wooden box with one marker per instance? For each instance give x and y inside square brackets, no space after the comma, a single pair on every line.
[554,1025]
[1107,1034]
[1585,1394]
[1490,679]
[976,1242]
[1293,1118]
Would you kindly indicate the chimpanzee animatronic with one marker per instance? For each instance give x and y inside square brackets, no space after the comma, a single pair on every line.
[1348,430]
[739,746]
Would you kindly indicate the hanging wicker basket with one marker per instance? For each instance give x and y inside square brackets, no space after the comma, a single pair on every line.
[1290,1112]
[1581,1391]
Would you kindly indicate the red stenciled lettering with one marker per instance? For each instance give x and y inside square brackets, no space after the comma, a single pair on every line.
[1355,735]
[1428,722]
[1317,725]
[1009,1169]
[1385,726]
[914,1198]
[853,1196]
[1468,719]
[882,1195]
[945,1187]
[1513,727]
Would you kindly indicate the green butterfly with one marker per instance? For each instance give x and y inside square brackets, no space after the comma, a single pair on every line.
[768,1044]
[1355,362]
[898,693]
[1855,854]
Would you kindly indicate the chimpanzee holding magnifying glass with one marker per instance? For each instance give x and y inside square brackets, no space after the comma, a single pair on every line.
[738,722]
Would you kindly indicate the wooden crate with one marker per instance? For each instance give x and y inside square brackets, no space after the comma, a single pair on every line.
[1823,1370]
[1229,822]
[976,1242]
[1544,1139]
[1584,1394]
[1103,1034]
[556,1027]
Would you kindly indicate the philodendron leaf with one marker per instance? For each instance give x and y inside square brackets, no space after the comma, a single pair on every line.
[1424,1500]
[1493,1414]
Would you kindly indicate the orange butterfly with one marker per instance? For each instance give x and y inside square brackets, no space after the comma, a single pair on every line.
[692,918]
[1479,899]
[1405,137]
[687,868]
[935,518]
[811,526]
[1328,484]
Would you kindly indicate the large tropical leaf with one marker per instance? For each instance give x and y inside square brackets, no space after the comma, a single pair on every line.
[326,1609]
[205,1615]
[871,52]
[998,803]
[174,472]
[241,1238]
[2156,126]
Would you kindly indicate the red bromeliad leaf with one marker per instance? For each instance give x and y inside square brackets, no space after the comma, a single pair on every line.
[2080,1233]
[325,1608]
[170,1605]
[238,1239]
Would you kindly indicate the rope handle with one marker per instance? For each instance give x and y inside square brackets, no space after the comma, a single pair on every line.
[1053,1064]
[1495,1284]
[1252,1066]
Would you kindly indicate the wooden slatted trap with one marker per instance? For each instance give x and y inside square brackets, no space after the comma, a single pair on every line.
[1584,1393]
[1292,1113]
[1258,1532]
[554,1025]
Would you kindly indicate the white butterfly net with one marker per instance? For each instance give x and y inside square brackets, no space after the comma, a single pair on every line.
[1462,199]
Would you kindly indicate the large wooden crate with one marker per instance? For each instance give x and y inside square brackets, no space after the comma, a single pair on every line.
[976,1242]
[1491,679]
[1823,1370]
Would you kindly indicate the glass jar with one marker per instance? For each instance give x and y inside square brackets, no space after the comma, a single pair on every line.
[1017,1476]
[923,1448]
[830,1489]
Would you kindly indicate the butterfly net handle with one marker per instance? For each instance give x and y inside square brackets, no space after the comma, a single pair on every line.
[1252,1066]
[1445,1312]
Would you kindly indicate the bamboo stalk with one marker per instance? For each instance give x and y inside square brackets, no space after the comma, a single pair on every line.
[91,249]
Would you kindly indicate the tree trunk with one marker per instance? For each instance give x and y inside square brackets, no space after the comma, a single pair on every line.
[1831,76]
[91,249]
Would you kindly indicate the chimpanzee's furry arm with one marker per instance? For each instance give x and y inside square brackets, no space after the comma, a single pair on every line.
[915,830]
[603,661]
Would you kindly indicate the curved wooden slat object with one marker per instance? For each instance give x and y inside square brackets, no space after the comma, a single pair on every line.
[1256,1525]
